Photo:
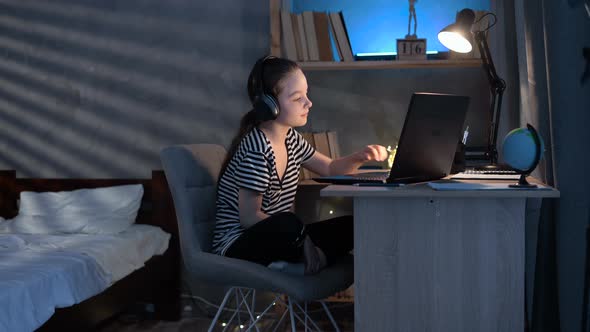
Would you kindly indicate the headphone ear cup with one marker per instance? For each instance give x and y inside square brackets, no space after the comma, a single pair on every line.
[273,105]
[266,107]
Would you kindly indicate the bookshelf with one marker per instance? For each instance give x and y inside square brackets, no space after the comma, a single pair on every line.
[275,49]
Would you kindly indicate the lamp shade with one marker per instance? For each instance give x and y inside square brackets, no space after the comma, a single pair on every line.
[457,35]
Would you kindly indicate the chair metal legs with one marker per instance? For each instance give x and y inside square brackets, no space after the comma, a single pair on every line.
[252,320]
[330,316]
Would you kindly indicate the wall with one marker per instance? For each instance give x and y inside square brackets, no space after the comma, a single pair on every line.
[369,106]
[96,89]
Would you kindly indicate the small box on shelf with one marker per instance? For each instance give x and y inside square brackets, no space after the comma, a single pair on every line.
[411,49]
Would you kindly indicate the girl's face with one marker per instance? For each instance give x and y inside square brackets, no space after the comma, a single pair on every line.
[293,102]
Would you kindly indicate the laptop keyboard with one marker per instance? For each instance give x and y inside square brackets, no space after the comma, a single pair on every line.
[372,176]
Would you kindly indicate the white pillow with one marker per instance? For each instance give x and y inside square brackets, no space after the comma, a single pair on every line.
[106,210]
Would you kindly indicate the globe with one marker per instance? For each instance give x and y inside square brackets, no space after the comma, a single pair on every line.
[522,148]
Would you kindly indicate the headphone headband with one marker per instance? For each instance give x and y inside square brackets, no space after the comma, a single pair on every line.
[260,74]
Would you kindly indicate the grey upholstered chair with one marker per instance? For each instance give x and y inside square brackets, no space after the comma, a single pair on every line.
[192,172]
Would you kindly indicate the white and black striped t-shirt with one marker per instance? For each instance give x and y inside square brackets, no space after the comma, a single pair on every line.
[253,167]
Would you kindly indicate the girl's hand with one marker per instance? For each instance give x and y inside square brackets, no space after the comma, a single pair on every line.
[372,152]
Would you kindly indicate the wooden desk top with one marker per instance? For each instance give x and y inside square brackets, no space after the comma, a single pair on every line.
[423,190]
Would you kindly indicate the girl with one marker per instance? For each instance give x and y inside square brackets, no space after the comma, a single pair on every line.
[258,180]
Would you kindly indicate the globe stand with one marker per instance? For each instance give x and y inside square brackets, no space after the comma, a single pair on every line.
[522,182]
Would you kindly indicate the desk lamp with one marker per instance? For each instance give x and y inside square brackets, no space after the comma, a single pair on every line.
[456,37]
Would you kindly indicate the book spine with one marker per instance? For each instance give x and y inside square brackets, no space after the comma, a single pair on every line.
[310,35]
[347,37]
[288,36]
[298,47]
[303,38]
[333,144]
[321,143]
[341,36]
[333,37]
[323,36]
[304,173]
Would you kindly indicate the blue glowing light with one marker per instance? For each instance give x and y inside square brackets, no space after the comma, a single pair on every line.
[374,25]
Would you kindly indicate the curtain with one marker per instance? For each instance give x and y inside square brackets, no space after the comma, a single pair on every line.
[550,36]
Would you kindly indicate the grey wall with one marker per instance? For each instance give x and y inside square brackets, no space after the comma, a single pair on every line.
[369,106]
[97,88]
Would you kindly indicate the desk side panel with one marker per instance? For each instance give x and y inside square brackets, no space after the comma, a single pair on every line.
[439,264]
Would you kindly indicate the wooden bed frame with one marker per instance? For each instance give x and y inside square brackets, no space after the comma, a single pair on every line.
[157,283]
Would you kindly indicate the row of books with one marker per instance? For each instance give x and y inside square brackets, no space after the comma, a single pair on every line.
[308,36]
[325,142]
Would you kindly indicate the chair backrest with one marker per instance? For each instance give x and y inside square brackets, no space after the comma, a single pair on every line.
[192,171]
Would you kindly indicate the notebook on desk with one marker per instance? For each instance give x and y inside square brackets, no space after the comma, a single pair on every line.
[427,144]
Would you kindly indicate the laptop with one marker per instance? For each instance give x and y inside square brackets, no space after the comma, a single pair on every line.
[427,144]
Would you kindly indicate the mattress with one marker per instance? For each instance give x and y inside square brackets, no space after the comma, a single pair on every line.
[39,273]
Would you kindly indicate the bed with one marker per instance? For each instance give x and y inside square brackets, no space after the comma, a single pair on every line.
[109,287]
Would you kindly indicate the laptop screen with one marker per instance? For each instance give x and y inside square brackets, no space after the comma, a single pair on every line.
[428,141]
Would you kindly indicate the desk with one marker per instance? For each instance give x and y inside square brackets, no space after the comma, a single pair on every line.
[429,260]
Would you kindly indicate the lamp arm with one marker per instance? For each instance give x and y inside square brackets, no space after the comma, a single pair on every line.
[497,87]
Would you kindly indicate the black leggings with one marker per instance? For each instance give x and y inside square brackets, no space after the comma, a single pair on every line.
[279,238]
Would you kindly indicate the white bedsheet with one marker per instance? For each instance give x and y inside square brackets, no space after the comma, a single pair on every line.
[39,273]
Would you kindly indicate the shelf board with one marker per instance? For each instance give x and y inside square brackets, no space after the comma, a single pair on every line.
[388,64]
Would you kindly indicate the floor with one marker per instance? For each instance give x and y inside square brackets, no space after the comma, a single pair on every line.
[199,320]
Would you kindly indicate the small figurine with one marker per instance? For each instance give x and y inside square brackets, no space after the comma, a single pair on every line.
[412,14]
[411,47]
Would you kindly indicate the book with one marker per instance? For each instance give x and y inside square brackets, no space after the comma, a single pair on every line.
[289,47]
[298,47]
[310,36]
[302,38]
[322,31]
[326,143]
[342,41]
[305,174]
[321,143]
[333,37]
[333,144]
[347,39]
